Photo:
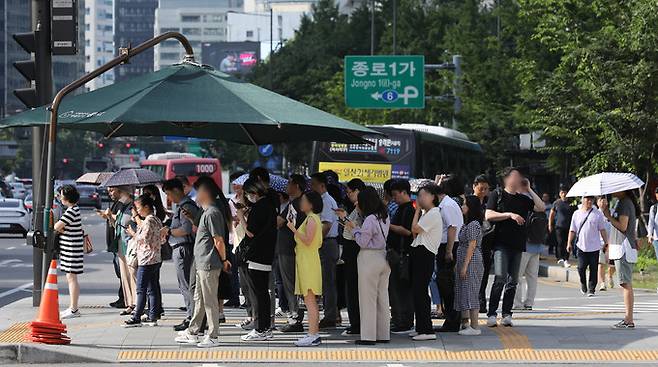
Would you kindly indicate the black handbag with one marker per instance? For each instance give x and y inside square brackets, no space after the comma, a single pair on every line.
[243,250]
[166,252]
[225,288]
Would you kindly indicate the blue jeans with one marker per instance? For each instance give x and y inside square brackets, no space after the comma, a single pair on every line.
[506,269]
[655,247]
[147,284]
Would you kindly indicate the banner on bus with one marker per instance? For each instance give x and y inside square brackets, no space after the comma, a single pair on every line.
[368,172]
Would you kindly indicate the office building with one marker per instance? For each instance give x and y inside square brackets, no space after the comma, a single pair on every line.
[133,24]
[99,40]
[198,20]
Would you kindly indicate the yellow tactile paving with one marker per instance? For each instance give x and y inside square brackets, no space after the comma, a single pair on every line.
[388,355]
[15,334]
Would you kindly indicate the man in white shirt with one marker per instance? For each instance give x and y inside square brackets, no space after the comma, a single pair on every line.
[453,220]
[328,251]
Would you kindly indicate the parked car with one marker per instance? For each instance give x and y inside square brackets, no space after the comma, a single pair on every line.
[14,217]
[18,190]
[89,196]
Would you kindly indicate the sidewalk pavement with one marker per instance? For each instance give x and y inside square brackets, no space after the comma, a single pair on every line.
[546,334]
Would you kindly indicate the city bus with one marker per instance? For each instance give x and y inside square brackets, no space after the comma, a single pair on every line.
[403,151]
[170,165]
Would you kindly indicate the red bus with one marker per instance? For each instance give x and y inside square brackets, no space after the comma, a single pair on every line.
[170,165]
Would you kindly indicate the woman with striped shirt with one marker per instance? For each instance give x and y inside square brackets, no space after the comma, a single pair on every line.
[71,246]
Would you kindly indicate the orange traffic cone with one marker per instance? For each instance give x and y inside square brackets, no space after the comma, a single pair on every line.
[48,328]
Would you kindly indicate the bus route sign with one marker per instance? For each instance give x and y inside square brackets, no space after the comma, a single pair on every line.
[385,81]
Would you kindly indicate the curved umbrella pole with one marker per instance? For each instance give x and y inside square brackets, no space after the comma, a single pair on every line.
[124,56]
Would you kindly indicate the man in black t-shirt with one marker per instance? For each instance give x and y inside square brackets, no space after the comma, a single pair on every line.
[559,221]
[399,240]
[508,209]
[286,251]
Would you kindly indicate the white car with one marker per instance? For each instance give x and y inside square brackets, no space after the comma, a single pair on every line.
[18,189]
[14,217]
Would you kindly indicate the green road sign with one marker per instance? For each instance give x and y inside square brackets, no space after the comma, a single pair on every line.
[385,81]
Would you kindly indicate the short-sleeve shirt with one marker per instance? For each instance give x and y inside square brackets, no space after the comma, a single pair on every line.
[180,221]
[432,225]
[452,216]
[404,217]
[563,213]
[285,238]
[328,214]
[625,207]
[212,224]
[508,233]
[588,229]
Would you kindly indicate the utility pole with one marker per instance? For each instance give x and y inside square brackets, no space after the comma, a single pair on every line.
[456,90]
[271,47]
[372,28]
[44,94]
[395,26]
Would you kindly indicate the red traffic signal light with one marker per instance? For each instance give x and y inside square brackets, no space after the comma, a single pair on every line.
[100,145]
[65,160]
[128,145]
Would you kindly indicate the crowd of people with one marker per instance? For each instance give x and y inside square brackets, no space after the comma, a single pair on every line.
[319,246]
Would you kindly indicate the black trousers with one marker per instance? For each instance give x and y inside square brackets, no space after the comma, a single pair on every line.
[261,282]
[588,260]
[422,267]
[117,271]
[561,236]
[446,281]
[487,253]
[401,298]
[351,275]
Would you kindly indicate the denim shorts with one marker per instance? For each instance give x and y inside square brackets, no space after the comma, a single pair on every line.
[625,271]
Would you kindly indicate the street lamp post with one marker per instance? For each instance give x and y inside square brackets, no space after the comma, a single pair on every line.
[124,56]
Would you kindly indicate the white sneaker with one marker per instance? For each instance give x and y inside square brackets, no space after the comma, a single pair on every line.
[247,324]
[187,338]
[560,262]
[279,313]
[421,337]
[603,287]
[491,321]
[413,333]
[309,341]
[469,331]
[507,321]
[68,314]
[208,342]
[255,336]
[566,264]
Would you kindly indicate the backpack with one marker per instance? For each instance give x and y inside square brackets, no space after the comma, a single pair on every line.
[537,227]
[487,226]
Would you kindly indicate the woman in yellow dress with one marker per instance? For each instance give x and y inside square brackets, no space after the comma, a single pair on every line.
[308,275]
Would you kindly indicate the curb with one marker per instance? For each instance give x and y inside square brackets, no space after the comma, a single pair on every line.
[37,353]
[559,273]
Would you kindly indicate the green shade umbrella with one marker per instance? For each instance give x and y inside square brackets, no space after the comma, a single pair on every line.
[194,100]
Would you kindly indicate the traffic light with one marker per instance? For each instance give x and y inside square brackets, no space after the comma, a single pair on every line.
[100,145]
[27,68]
[128,145]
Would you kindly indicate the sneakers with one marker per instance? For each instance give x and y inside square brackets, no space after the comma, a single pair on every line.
[69,314]
[132,323]
[182,326]
[583,289]
[590,294]
[413,333]
[603,287]
[507,321]
[280,313]
[527,308]
[255,336]
[222,319]
[292,328]
[623,325]
[401,330]
[247,324]
[149,322]
[208,342]
[349,332]
[469,331]
[184,337]
[327,324]
[423,337]
[491,321]
[309,341]
[560,262]
[566,264]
